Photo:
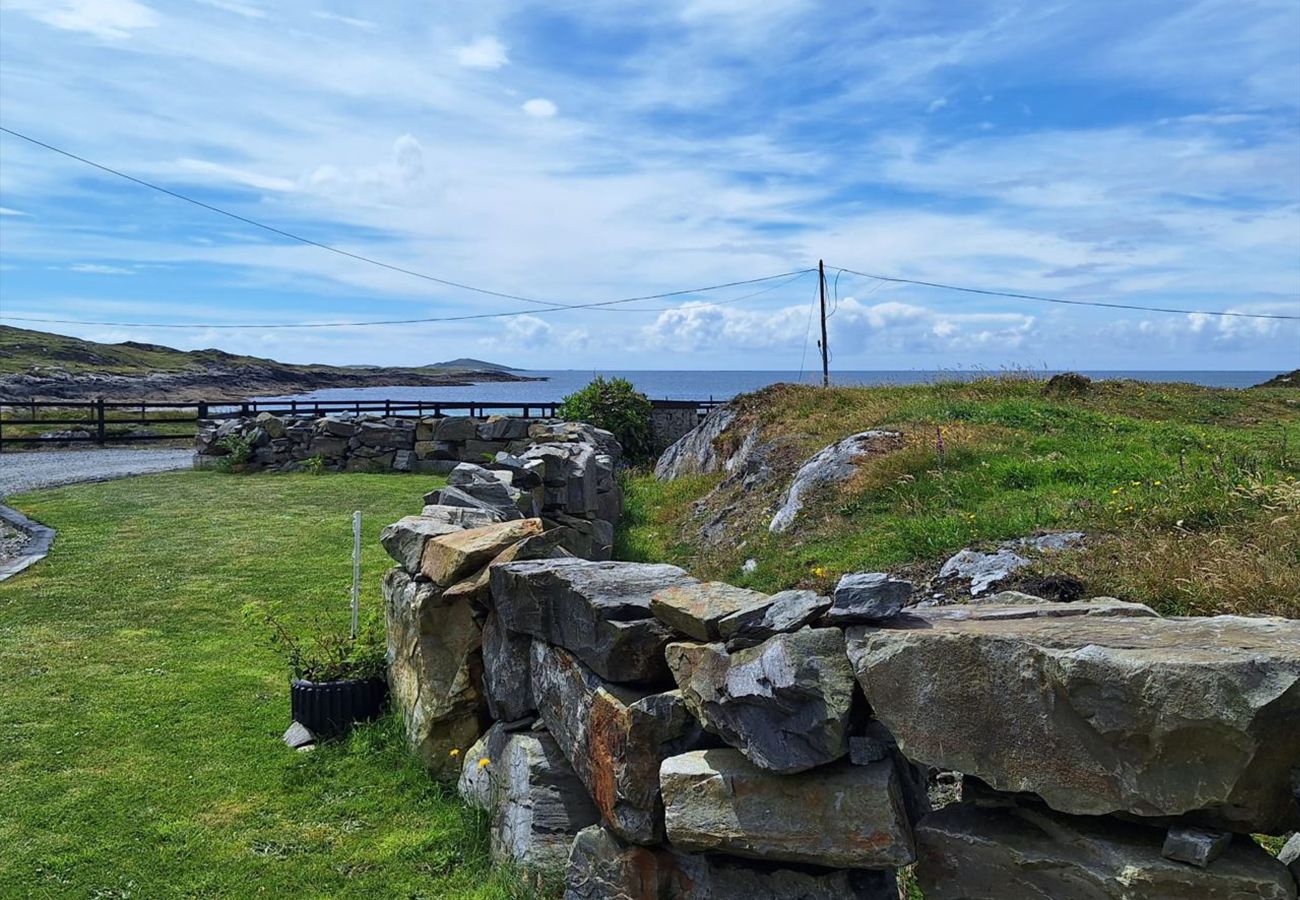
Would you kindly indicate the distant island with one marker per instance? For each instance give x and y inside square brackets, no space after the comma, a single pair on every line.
[36,365]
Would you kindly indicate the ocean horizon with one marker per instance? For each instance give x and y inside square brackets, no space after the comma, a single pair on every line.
[722,384]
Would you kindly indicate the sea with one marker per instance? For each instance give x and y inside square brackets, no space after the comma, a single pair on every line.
[724,384]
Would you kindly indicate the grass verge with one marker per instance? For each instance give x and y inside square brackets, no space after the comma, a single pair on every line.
[140,717]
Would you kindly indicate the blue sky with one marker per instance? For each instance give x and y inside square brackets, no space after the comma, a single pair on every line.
[1143,153]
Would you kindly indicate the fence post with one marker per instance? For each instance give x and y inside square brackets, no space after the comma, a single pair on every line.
[243,410]
[99,421]
[202,410]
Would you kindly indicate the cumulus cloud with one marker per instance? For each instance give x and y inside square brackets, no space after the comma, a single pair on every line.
[483,53]
[107,19]
[540,108]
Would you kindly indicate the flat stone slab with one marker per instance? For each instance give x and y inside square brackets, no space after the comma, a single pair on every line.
[602,867]
[404,540]
[37,547]
[785,703]
[696,609]
[598,610]
[970,852]
[615,738]
[780,613]
[1098,711]
[448,558]
[867,597]
[840,816]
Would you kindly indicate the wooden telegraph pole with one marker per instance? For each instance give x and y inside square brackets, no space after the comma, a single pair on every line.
[826,360]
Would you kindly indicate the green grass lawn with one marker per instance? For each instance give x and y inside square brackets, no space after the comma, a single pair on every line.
[140,716]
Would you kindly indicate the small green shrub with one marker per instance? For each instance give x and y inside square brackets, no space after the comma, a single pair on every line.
[239,450]
[328,655]
[616,406]
[314,465]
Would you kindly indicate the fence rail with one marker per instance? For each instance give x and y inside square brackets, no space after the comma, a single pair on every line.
[103,415]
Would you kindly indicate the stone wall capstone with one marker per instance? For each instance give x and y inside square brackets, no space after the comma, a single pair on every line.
[659,737]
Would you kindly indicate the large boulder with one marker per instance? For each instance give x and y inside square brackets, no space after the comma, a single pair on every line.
[782,612]
[598,610]
[829,465]
[405,539]
[535,802]
[867,597]
[448,558]
[841,815]
[434,668]
[696,452]
[506,677]
[1098,708]
[970,852]
[602,867]
[785,703]
[696,609]
[614,737]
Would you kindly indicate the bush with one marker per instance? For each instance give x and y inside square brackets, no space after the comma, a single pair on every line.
[614,405]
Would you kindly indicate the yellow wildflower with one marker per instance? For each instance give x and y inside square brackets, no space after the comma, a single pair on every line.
[482,763]
[454,752]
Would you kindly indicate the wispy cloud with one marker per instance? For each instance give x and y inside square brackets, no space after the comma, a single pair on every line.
[482,53]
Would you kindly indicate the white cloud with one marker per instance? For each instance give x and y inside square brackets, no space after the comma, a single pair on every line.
[362,24]
[540,108]
[108,19]
[99,269]
[238,176]
[483,53]
[937,104]
[6,211]
[239,9]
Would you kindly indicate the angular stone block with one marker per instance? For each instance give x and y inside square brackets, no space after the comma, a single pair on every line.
[507,680]
[1098,713]
[780,613]
[696,609]
[405,539]
[614,737]
[785,703]
[867,597]
[841,815]
[598,610]
[450,557]
[970,852]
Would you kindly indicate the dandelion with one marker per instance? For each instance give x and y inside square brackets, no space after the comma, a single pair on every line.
[820,572]
[483,763]
[454,752]
[1114,491]
[1156,483]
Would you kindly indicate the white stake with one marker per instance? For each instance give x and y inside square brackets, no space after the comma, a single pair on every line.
[356,570]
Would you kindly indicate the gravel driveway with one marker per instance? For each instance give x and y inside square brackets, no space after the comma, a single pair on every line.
[48,468]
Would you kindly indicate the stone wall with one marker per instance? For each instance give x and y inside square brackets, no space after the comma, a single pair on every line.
[658,737]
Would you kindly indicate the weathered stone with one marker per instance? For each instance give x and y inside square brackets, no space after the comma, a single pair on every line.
[780,613]
[405,539]
[1289,856]
[424,430]
[984,570]
[784,704]
[344,428]
[696,609]
[614,737]
[506,677]
[831,464]
[602,867]
[588,538]
[456,428]
[969,852]
[1105,710]
[598,610]
[462,516]
[327,447]
[696,452]
[503,428]
[272,425]
[867,597]
[535,801]
[1198,846]
[478,585]
[841,815]
[385,435]
[450,557]
[434,669]
[875,744]
[298,736]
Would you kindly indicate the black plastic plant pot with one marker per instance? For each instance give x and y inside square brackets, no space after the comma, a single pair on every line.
[329,708]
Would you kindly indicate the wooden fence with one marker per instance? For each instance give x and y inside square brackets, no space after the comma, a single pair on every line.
[100,420]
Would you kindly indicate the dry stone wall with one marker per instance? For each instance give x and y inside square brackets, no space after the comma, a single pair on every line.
[654,736]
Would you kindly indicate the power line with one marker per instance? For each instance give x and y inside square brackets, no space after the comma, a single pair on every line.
[356,256]
[1035,297]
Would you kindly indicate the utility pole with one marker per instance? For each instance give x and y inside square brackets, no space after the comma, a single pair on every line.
[826,360]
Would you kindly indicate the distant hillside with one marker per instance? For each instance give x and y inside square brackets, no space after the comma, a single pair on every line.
[36,364]
[1288,379]
[476,365]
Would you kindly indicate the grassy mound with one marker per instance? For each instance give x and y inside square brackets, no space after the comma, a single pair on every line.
[1189,493]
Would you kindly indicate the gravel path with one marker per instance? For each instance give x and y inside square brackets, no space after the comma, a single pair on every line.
[48,468]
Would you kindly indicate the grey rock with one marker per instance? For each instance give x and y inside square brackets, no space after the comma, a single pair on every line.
[984,570]
[1098,713]
[502,504]
[696,452]
[1289,856]
[463,516]
[591,539]
[506,678]
[327,447]
[970,852]
[535,802]
[468,473]
[872,746]
[456,428]
[272,425]
[386,436]
[503,428]
[829,465]
[867,597]
[784,703]
[344,428]
[782,612]
[598,610]
[1198,846]
[696,609]
[404,540]
[614,737]
[298,736]
[841,815]
[602,867]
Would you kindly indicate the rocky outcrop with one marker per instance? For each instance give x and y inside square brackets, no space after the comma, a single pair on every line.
[984,570]
[614,737]
[784,703]
[696,453]
[599,611]
[833,464]
[841,816]
[968,852]
[1099,714]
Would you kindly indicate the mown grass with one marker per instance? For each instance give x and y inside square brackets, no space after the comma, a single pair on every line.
[1190,493]
[140,716]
